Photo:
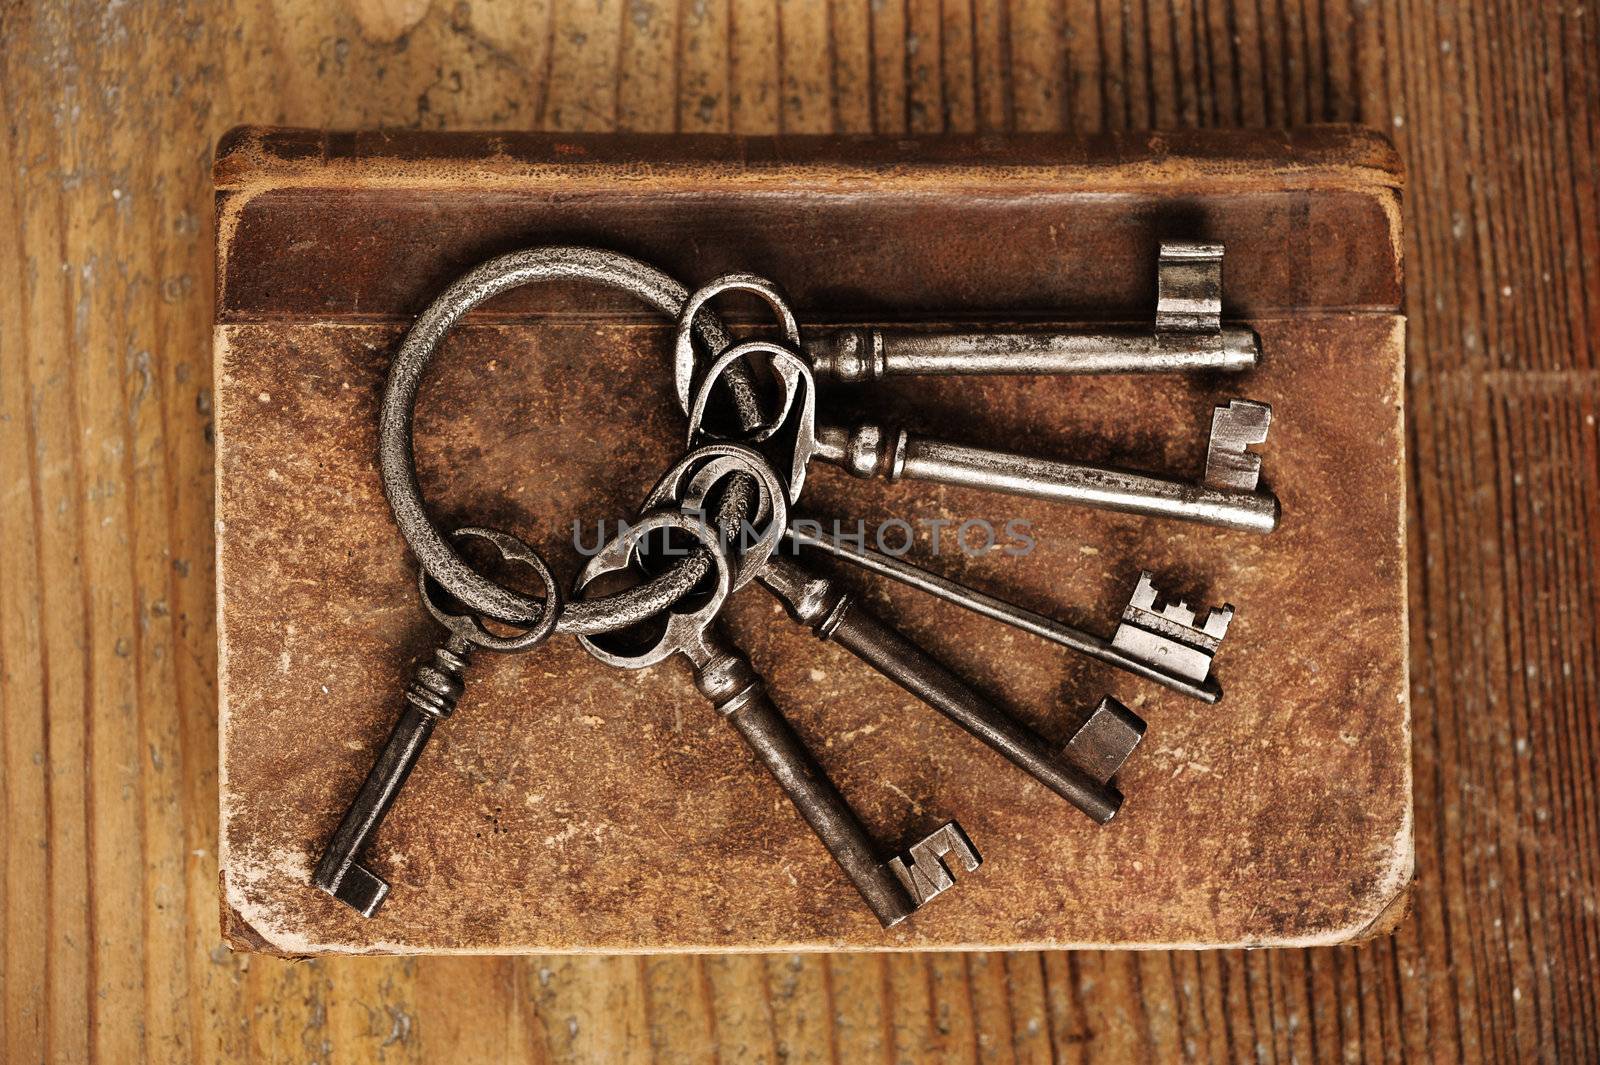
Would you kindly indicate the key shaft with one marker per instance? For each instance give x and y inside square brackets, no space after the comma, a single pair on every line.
[864,355]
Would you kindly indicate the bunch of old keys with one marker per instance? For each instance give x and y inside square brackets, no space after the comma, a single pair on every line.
[719,520]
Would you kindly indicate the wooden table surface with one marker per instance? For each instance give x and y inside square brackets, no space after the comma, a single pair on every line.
[107,637]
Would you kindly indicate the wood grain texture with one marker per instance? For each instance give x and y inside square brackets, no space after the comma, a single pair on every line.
[107,667]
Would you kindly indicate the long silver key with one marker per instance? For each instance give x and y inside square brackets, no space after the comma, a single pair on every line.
[1188,336]
[1160,641]
[893,889]
[1227,495]
[436,685]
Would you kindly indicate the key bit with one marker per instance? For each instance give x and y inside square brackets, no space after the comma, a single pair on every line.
[1234,428]
[1166,637]
[1189,288]
[923,868]
[1105,741]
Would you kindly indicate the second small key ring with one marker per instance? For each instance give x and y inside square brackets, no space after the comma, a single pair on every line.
[691,481]
[805,430]
[619,555]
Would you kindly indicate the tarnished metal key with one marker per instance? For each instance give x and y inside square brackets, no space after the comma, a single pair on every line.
[1155,640]
[1188,336]
[1079,773]
[436,685]
[893,889]
[1227,496]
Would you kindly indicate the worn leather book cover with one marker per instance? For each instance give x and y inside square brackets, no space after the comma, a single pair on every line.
[569,806]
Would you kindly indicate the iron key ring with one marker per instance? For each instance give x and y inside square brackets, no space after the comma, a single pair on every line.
[396,451]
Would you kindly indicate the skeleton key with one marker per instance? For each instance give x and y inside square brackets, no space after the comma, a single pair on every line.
[893,889]
[1221,498]
[1188,336]
[436,685]
[1081,773]
[1160,642]
[812,600]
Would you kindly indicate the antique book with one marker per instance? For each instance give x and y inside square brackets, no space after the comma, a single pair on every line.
[570,806]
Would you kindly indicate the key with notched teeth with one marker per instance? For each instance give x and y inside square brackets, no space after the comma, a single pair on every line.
[893,889]
[431,696]
[1165,636]
[1188,336]
[1159,642]
[1221,498]
[1080,773]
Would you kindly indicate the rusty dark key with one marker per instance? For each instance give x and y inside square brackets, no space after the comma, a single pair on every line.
[892,889]
[1080,773]
[436,686]
[1160,638]
[431,696]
